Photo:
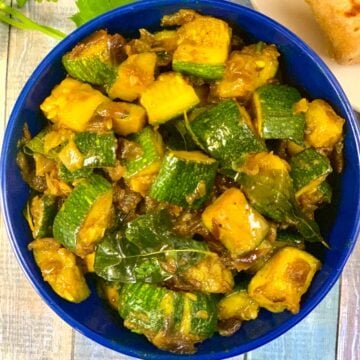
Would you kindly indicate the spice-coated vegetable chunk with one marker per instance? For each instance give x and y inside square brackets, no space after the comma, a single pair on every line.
[72,104]
[95,59]
[282,281]
[59,268]
[203,47]
[210,276]
[324,128]
[239,305]
[231,220]
[169,96]
[84,216]
[134,75]
[246,70]
[186,178]
[173,321]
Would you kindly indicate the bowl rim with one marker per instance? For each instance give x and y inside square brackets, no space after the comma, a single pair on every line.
[57,51]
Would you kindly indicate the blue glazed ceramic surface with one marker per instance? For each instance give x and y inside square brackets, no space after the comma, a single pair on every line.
[301,67]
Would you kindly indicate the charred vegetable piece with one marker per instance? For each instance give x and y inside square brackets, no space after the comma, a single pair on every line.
[276,116]
[279,285]
[186,178]
[134,75]
[265,180]
[40,213]
[324,128]
[95,59]
[59,268]
[225,132]
[235,223]
[172,321]
[168,97]
[203,47]
[309,169]
[84,216]
[246,70]
[72,104]
[147,251]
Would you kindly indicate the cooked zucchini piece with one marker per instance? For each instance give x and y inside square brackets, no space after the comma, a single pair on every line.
[314,197]
[324,128]
[70,176]
[172,321]
[203,47]
[151,154]
[225,132]
[235,223]
[40,213]
[186,178]
[97,149]
[279,285]
[71,157]
[125,118]
[59,268]
[95,59]
[209,276]
[309,169]
[168,97]
[166,40]
[276,116]
[84,216]
[176,136]
[110,292]
[134,75]
[246,70]
[238,305]
[72,104]
[265,180]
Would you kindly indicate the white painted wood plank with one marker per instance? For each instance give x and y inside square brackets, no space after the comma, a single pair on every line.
[28,328]
[349,319]
[313,338]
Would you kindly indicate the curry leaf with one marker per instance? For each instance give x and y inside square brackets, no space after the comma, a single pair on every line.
[271,193]
[146,251]
[89,9]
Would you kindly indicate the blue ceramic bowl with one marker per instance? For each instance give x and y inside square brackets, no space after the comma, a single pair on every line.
[300,66]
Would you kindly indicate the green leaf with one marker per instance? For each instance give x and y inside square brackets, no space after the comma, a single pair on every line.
[271,193]
[146,251]
[89,9]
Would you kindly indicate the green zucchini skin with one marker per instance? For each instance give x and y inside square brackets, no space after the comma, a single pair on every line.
[72,214]
[70,176]
[95,59]
[308,166]
[184,182]
[274,111]
[99,150]
[151,145]
[41,219]
[91,70]
[148,309]
[204,71]
[223,133]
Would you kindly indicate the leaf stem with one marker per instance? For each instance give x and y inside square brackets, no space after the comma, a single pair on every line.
[15,18]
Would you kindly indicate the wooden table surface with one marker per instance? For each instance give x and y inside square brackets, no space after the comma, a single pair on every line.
[30,330]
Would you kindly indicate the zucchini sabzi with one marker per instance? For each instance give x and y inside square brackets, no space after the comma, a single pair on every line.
[184,174]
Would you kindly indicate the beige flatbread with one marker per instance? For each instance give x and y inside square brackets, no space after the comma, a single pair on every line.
[340,21]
